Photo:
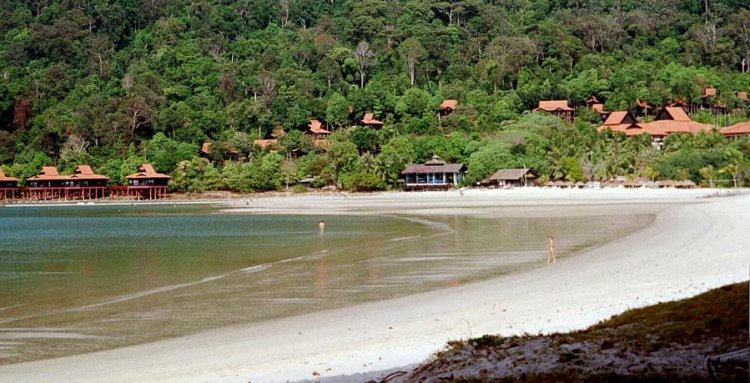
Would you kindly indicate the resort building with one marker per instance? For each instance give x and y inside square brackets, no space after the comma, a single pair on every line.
[434,174]
[737,130]
[559,108]
[369,120]
[506,178]
[8,186]
[670,120]
[447,107]
[147,183]
[83,184]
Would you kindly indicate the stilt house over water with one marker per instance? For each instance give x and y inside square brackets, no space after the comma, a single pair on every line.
[147,183]
[83,184]
[8,186]
[434,174]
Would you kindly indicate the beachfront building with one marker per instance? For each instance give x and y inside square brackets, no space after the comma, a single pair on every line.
[147,183]
[369,120]
[559,108]
[434,174]
[507,178]
[83,184]
[8,186]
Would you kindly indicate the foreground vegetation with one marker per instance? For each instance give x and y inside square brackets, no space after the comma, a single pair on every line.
[116,83]
[667,342]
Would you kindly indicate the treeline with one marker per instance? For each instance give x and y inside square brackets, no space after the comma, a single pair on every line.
[117,83]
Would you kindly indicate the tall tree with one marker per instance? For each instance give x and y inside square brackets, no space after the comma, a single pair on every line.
[364,57]
[411,51]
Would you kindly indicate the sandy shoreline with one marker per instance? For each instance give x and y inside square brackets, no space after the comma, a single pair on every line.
[694,244]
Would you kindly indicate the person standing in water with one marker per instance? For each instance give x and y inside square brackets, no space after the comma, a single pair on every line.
[322,226]
[550,250]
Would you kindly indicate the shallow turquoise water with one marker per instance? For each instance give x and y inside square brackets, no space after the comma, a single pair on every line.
[83,278]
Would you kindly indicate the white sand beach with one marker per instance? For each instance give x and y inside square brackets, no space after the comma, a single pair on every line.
[693,245]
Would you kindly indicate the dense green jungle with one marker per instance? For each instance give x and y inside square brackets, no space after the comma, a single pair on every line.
[115,83]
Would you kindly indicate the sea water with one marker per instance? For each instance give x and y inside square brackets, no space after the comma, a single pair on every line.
[77,279]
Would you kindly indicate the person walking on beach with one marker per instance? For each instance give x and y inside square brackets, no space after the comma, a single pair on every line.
[550,250]
[322,226]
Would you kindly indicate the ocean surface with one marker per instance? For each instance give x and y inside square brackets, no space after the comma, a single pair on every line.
[76,279]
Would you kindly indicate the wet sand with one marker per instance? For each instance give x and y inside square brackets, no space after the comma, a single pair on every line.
[693,245]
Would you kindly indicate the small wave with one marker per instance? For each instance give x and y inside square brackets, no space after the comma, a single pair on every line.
[432,224]
[291,260]
[256,269]
[403,238]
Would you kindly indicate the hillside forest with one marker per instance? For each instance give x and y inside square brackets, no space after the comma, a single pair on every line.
[115,83]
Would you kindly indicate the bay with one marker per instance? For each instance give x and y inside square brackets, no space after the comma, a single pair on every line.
[77,279]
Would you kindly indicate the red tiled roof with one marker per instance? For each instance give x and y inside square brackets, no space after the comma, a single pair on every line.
[369,119]
[665,127]
[146,171]
[554,105]
[84,172]
[673,113]
[3,177]
[659,128]
[741,129]
[742,96]
[620,117]
[49,173]
[448,105]
[317,127]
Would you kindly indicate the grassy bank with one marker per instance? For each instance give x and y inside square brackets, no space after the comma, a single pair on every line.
[663,343]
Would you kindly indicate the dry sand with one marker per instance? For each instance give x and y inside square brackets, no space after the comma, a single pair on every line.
[694,244]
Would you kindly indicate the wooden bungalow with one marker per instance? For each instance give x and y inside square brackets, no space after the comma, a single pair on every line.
[559,108]
[505,178]
[319,135]
[447,107]
[147,183]
[317,131]
[434,174]
[8,186]
[83,184]
[369,120]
